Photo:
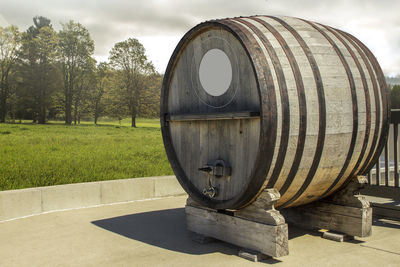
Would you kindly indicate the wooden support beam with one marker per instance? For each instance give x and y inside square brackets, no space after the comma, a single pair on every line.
[344,212]
[268,236]
[270,240]
[322,215]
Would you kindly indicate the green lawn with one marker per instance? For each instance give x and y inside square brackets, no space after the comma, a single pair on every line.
[39,155]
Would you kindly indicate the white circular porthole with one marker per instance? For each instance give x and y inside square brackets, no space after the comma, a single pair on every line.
[215,72]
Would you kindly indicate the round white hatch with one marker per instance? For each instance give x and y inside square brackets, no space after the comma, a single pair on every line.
[215,72]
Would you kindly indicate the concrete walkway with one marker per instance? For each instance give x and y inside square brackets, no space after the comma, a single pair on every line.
[153,233]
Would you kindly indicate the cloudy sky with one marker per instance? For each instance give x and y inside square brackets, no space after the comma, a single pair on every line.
[159,24]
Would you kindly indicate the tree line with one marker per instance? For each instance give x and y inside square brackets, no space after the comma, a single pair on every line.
[48,75]
[394,96]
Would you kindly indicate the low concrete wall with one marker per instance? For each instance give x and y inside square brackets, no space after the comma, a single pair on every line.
[31,201]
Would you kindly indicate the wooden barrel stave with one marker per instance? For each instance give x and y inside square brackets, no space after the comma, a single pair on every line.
[320,94]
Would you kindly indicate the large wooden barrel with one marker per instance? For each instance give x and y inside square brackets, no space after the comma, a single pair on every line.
[271,102]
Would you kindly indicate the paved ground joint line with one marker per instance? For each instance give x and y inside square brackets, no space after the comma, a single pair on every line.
[87,207]
[384,250]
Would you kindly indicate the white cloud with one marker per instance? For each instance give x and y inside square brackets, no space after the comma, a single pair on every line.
[3,22]
[159,49]
[159,24]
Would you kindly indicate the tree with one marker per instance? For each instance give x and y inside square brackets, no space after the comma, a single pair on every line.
[115,104]
[9,45]
[149,106]
[395,97]
[102,83]
[85,81]
[129,58]
[39,56]
[77,47]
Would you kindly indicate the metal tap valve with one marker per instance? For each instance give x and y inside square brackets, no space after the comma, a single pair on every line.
[210,192]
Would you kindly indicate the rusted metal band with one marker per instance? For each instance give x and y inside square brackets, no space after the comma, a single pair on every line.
[321,109]
[302,108]
[284,98]
[373,79]
[385,106]
[268,112]
[165,129]
[368,114]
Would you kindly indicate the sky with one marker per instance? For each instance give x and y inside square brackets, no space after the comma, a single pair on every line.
[159,24]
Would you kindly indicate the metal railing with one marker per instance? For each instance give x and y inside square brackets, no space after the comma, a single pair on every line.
[386,170]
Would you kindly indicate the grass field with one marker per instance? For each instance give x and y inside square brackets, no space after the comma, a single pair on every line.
[39,155]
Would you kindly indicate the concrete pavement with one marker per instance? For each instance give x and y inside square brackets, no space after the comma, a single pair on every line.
[153,233]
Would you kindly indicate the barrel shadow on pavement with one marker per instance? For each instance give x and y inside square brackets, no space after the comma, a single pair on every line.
[383,222]
[165,229]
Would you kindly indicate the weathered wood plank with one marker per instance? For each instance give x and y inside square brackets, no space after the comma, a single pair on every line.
[336,236]
[262,210]
[348,220]
[267,239]
[252,255]
[214,116]
[203,128]
[387,211]
[345,212]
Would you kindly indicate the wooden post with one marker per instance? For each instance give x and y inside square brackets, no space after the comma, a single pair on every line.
[257,227]
[345,212]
